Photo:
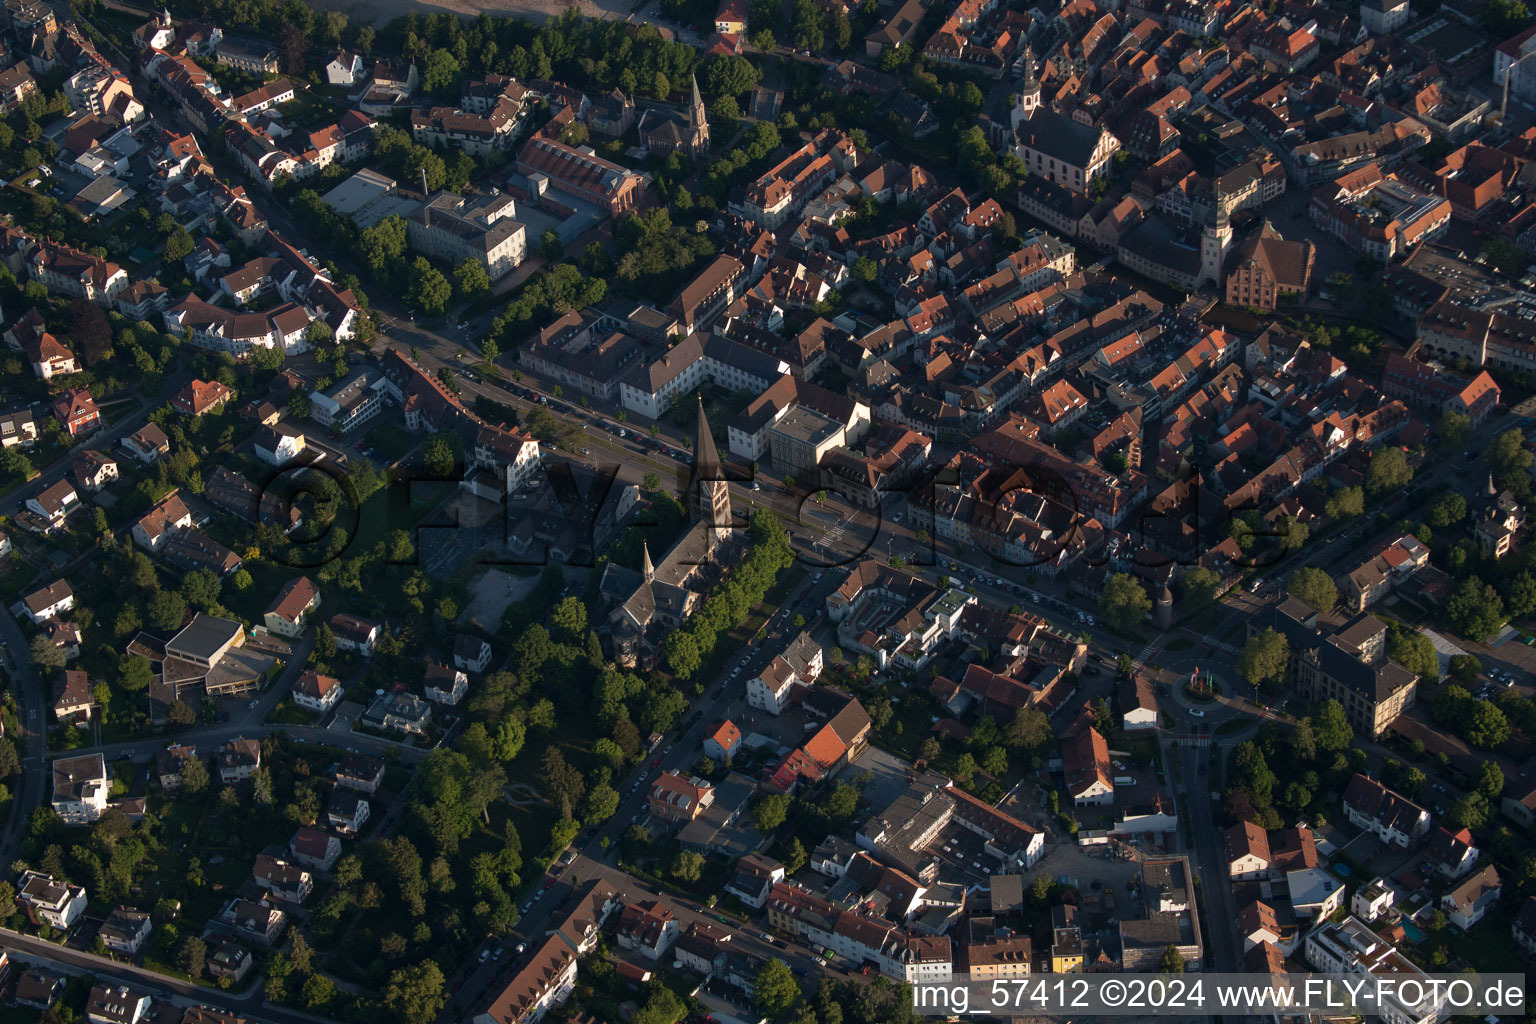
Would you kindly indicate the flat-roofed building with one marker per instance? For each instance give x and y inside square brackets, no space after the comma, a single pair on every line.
[452,228]
[347,405]
[801,439]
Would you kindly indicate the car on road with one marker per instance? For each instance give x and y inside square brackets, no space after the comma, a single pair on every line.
[549,883]
[527,906]
[1196,713]
[522,947]
[485,955]
[819,961]
[250,706]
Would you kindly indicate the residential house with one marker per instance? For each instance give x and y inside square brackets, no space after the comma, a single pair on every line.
[352,633]
[116,1004]
[1137,699]
[1466,904]
[201,397]
[279,444]
[72,697]
[753,878]
[359,772]
[723,741]
[94,470]
[156,527]
[76,411]
[1247,852]
[258,921]
[399,712]
[238,760]
[38,989]
[282,879]
[49,601]
[543,983]
[56,904]
[290,612]
[314,848]
[1451,854]
[18,427]
[471,653]
[226,959]
[648,927]
[676,798]
[148,444]
[345,69]
[1086,768]
[80,788]
[316,691]
[169,764]
[54,504]
[347,812]
[444,684]
[1524,927]
[125,930]
[1393,818]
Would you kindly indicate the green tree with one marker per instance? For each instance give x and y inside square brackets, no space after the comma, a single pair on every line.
[1197,589]
[1446,509]
[1314,587]
[1475,610]
[429,289]
[46,654]
[1490,780]
[194,777]
[414,994]
[1453,429]
[1464,668]
[192,955]
[1265,658]
[1172,961]
[471,278]
[1388,471]
[178,247]
[1488,727]
[1345,503]
[1415,652]
[134,673]
[167,611]
[1468,812]
[1331,727]
[1029,730]
[687,866]
[201,589]
[1124,601]
[440,74]
[682,652]
[774,989]
[769,811]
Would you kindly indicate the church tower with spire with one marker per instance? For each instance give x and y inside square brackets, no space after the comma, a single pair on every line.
[647,570]
[712,499]
[1029,90]
[698,124]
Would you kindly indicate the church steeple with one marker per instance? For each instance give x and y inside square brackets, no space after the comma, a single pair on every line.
[713,500]
[646,568]
[1029,90]
[698,123]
